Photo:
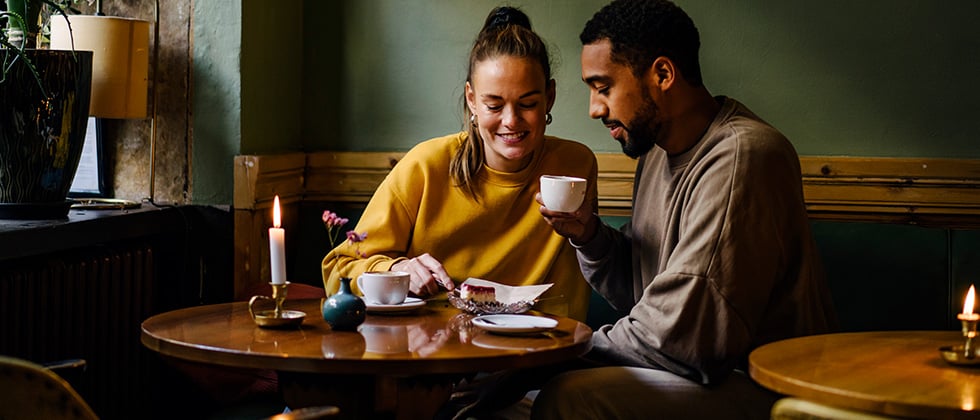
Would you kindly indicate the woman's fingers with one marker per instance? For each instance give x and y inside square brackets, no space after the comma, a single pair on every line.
[427,275]
[438,272]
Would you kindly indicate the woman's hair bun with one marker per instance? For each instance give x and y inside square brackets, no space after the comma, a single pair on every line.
[504,16]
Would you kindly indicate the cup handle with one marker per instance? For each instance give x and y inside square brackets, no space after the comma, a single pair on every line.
[359,287]
[252,302]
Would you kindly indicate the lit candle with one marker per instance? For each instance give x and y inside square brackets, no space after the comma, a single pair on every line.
[968,306]
[277,246]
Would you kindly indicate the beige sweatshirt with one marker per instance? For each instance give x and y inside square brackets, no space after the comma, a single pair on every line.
[718,258]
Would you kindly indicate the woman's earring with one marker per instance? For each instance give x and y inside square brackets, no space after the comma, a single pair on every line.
[547,119]
[473,121]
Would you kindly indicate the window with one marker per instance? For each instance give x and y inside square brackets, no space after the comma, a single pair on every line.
[90,178]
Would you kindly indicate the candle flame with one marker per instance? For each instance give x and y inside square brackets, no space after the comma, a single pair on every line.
[277,218]
[968,305]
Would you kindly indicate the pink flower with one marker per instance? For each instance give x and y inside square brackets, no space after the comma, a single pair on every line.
[331,219]
[356,238]
[333,222]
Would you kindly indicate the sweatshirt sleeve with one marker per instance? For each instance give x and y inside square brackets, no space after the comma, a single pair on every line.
[605,262]
[388,222]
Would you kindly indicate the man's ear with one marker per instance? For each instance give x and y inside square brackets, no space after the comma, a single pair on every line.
[663,72]
[550,94]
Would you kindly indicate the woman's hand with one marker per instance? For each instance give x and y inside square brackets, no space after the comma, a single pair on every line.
[427,275]
[580,226]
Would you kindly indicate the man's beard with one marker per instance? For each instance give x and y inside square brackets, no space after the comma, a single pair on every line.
[643,130]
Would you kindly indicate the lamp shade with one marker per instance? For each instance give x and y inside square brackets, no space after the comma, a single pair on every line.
[120,65]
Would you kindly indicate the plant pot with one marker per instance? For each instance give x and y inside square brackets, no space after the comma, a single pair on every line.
[42,130]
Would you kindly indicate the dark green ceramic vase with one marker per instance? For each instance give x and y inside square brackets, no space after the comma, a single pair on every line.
[43,117]
[344,311]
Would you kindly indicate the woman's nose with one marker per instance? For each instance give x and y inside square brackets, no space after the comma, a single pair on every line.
[510,117]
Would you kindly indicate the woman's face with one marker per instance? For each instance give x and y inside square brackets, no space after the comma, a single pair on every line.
[510,97]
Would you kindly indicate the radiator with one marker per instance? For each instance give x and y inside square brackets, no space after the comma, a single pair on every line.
[85,305]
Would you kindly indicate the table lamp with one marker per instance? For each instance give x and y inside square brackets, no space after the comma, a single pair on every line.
[119,70]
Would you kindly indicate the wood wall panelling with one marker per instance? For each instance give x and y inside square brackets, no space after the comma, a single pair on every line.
[258,179]
[928,192]
[349,177]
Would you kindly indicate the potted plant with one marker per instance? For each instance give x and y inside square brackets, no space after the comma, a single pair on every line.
[44,100]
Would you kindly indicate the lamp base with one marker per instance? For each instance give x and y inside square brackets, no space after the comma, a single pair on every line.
[35,211]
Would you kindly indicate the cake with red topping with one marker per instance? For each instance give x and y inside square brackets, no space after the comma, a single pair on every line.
[477,294]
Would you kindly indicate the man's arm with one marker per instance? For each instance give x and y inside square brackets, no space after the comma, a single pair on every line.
[606,263]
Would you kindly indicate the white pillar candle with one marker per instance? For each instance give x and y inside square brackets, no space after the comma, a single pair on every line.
[277,246]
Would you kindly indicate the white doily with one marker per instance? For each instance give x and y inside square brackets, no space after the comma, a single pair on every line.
[488,307]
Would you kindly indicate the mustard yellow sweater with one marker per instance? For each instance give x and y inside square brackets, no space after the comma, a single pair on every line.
[501,238]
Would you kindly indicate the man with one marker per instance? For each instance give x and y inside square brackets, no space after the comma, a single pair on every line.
[718,257]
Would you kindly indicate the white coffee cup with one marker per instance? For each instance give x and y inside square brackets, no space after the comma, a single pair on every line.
[384,287]
[562,193]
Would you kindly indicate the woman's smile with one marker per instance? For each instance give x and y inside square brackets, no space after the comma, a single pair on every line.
[512,138]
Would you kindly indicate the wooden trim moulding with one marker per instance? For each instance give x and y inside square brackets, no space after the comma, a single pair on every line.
[904,190]
[921,191]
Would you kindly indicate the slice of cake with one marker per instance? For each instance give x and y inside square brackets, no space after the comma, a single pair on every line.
[478,294]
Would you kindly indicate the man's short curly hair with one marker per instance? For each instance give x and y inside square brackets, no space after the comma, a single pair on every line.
[642,30]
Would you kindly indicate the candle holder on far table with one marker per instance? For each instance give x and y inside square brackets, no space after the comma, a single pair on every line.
[277,317]
[966,354]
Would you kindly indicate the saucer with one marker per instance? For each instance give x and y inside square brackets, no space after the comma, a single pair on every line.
[410,304]
[267,319]
[955,355]
[514,324]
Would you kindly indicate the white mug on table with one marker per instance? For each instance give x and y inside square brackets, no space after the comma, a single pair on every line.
[384,287]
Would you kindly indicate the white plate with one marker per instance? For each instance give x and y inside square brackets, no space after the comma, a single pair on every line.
[514,324]
[409,304]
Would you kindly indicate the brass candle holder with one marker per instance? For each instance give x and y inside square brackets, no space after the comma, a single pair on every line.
[967,353]
[276,317]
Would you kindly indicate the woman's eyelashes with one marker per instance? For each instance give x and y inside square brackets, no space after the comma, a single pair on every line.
[529,105]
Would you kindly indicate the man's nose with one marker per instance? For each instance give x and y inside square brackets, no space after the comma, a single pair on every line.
[597,109]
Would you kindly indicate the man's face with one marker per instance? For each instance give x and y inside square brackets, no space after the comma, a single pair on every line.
[620,100]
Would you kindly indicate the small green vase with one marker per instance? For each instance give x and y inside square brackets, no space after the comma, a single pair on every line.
[344,310]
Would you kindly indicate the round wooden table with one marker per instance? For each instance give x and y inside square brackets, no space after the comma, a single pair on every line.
[395,365]
[896,373]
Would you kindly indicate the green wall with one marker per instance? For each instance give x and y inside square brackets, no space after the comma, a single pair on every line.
[272,76]
[248,88]
[869,78]
[217,103]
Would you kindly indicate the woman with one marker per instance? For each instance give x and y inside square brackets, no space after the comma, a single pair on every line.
[463,205]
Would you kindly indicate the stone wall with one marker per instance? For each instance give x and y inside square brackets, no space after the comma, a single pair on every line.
[129,141]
